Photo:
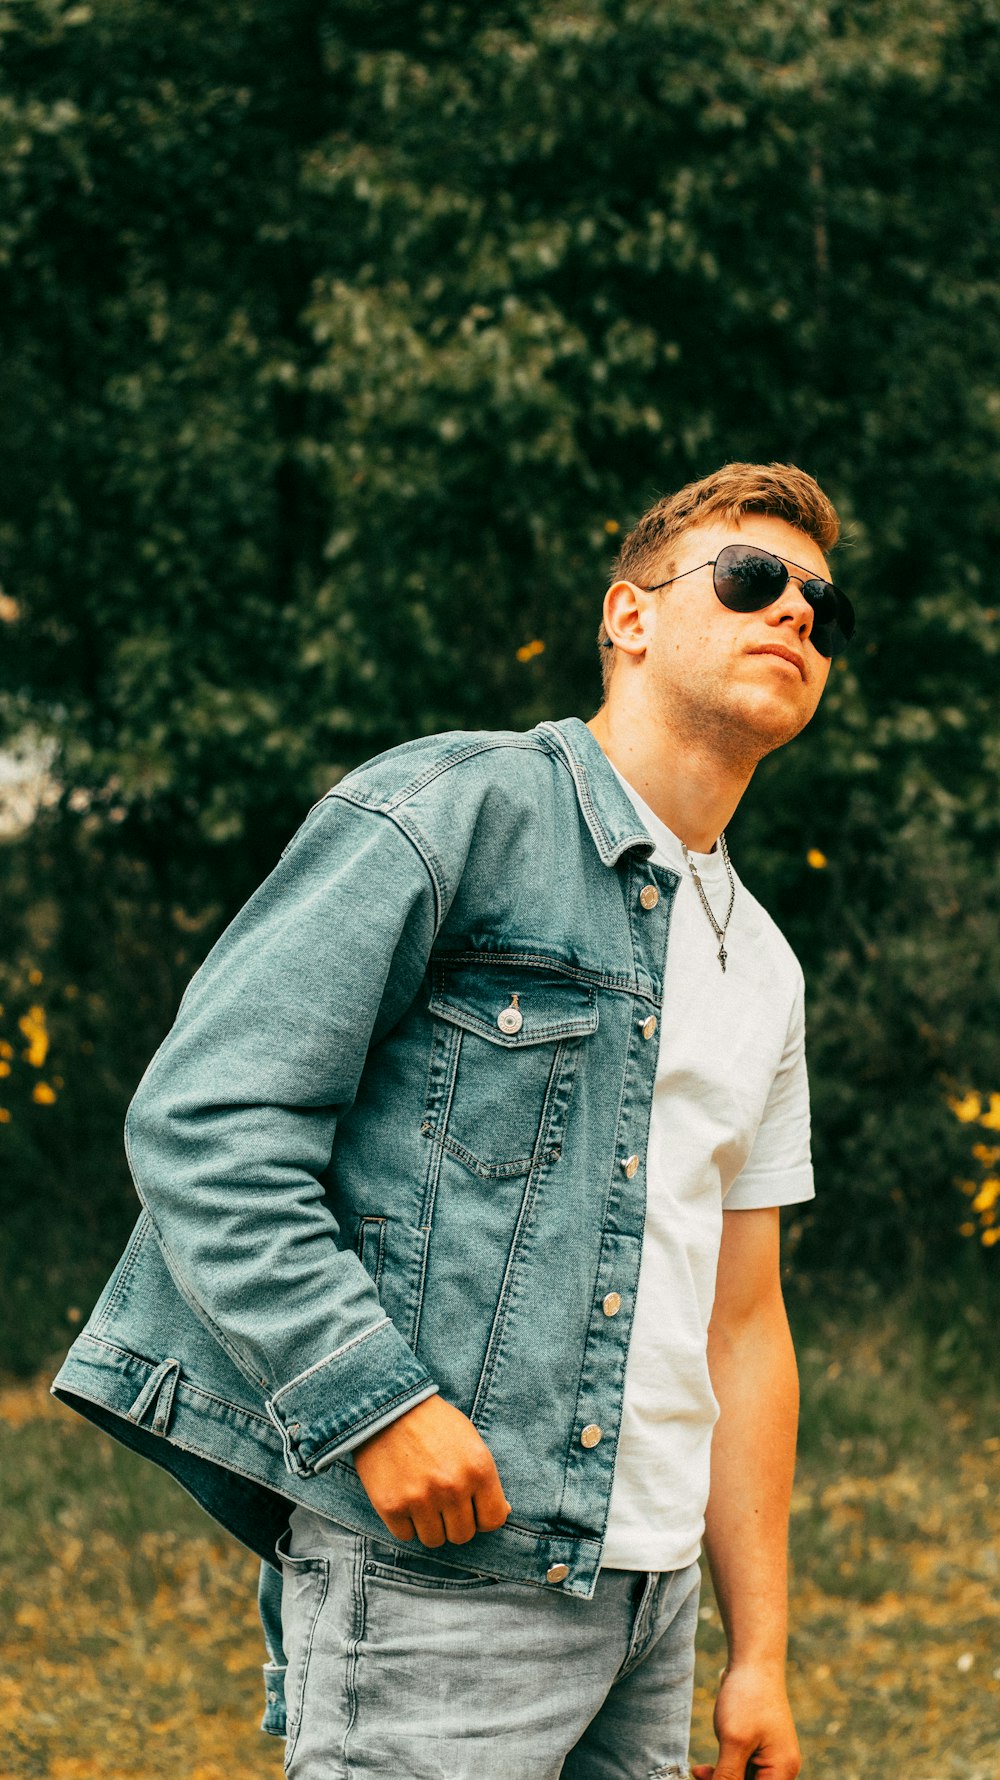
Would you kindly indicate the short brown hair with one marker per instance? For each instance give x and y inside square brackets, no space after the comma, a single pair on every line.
[780,490]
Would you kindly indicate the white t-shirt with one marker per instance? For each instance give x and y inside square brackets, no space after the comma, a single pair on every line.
[729,1127]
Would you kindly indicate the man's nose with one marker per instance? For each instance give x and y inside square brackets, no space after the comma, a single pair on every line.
[793,601]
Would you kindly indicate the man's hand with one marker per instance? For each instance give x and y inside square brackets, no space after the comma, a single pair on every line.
[430,1473]
[753,1722]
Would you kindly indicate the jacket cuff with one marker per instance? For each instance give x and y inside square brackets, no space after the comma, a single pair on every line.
[327,1410]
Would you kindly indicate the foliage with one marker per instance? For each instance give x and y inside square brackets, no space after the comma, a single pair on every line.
[340,345]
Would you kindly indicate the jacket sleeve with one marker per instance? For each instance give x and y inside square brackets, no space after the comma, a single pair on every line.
[235,1117]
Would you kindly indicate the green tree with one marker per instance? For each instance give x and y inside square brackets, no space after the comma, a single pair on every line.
[340,345]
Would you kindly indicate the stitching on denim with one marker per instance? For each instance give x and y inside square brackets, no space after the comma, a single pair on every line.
[204,1316]
[294,1720]
[495,1341]
[609,850]
[489,743]
[451,1007]
[356,1427]
[138,1238]
[171,1440]
[354,1341]
[186,1383]
[359,1604]
[613,981]
[443,1140]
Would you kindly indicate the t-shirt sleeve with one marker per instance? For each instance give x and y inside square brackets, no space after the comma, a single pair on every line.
[778,1170]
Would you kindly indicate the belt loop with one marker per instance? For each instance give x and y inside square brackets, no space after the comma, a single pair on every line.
[157,1394]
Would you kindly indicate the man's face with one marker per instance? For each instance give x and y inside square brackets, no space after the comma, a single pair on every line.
[716,673]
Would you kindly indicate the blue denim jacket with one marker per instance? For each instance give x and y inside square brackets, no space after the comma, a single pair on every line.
[394,1144]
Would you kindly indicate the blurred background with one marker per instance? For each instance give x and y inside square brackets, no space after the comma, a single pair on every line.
[341,345]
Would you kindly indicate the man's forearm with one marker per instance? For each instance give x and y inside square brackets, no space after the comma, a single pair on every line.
[755,1379]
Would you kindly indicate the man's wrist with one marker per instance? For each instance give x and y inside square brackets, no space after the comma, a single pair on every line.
[762,1662]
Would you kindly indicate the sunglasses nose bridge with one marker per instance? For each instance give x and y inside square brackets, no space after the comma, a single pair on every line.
[800,582]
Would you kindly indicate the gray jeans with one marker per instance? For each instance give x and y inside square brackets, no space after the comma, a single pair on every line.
[404,1668]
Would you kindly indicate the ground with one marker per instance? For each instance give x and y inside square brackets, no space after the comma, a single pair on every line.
[130,1647]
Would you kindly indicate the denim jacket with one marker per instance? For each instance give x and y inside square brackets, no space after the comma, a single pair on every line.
[393,1144]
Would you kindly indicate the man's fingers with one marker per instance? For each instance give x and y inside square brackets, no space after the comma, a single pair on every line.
[734,1763]
[491,1506]
[429,1525]
[460,1521]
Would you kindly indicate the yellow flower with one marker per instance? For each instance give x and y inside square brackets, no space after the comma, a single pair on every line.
[43,1094]
[34,976]
[966,1109]
[966,1229]
[992,1119]
[989,1237]
[527,650]
[32,1024]
[987,1195]
[4,1116]
[816,859]
[4,1068]
[986,1153]
[611,526]
[6,1050]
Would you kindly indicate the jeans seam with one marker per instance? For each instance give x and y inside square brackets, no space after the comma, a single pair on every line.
[299,1709]
[359,1611]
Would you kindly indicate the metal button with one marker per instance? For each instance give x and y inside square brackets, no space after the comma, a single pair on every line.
[591,1434]
[612,1304]
[649,896]
[510,1020]
[649,1026]
[556,1572]
[630,1166]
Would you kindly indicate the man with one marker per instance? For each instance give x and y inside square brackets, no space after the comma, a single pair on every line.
[439,1246]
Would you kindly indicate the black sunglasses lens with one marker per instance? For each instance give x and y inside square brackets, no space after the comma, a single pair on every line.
[833,617]
[747,579]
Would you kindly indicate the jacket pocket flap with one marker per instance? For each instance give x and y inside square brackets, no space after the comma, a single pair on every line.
[513,1004]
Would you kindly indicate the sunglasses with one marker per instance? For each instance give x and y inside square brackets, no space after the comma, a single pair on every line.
[747,579]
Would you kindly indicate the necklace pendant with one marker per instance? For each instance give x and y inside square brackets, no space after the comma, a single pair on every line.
[723,955]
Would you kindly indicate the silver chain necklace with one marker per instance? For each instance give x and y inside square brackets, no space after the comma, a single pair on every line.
[720,932]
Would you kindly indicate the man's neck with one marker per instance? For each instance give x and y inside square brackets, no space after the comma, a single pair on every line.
[688,787]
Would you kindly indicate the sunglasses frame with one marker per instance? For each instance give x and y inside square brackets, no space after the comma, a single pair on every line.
[845,610]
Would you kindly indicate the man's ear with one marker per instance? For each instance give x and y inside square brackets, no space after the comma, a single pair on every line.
[626,602]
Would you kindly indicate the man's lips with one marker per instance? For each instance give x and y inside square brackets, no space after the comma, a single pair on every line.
[786,655]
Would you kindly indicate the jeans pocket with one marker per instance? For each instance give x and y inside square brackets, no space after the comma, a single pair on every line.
[503,1059]
[419,1569]
[305,1583]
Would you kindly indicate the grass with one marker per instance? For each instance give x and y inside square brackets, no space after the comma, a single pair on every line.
[130,1647]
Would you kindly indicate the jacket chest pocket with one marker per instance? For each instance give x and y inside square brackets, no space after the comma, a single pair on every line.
[504,1054]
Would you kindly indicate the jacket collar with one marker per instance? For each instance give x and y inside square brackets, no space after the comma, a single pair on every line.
[609,812]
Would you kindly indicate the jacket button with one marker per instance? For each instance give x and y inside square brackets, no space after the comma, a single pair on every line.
[649,1026]
[510,1020]
[649,896]
[591,1434]
[612,1304]
[556,1572]
[630,1166]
